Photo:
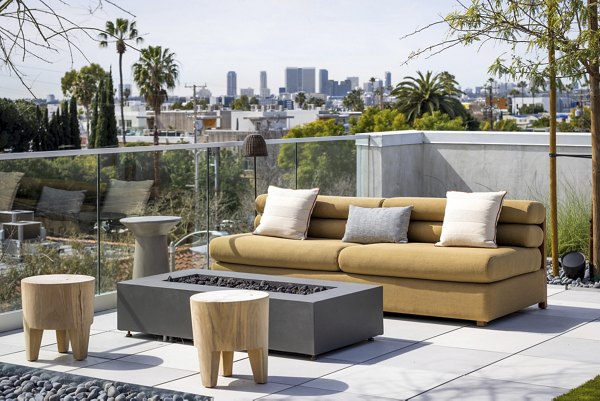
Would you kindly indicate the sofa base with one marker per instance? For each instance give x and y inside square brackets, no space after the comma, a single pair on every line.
[480,302]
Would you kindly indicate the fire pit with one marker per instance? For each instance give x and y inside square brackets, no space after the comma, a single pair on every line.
[337,315]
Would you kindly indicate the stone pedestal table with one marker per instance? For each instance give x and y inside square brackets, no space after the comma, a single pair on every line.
[151,243]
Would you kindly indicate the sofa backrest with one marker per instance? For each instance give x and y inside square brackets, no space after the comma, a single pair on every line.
[328,219]
[521,222]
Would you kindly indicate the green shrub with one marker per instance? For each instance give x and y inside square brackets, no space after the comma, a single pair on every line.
[573,222]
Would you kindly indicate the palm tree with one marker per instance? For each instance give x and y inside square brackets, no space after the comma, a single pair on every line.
[428,93]
[121,31]
[154,73]
[353,100]
[300,99]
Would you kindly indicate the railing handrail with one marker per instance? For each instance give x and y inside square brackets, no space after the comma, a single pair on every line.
[180,146]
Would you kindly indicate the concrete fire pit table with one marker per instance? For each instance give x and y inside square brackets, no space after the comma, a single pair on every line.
[151,243]
[343,314]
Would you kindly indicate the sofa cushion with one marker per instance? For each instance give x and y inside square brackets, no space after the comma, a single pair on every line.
[374,225]
[470,219]
[525,235]
[256,250]
[330,207]
[432,209]
[426,261]
[287,212]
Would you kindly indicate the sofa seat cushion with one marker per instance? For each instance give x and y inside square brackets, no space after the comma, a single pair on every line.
[257,250]
[426,261]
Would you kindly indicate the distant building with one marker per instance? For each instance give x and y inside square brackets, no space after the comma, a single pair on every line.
[368,87]
[388,79]
[308,80]
[264,90]
[231,83]
[247,91]
[292,79]
[353,82]
[323,80]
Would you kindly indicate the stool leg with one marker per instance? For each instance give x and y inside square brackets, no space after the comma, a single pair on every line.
[33,341]
[226,363]
[259,364]
[209,367]
[62,341]
[80,339]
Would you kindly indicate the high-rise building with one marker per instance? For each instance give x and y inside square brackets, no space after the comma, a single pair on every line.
[292,79]
[247,91]
[323,79]
[264,91]
[353,82]
[308,80]
[388,80]
[231,83]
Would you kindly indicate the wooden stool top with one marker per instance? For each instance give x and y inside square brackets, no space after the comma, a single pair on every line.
[53,279]
[225,296]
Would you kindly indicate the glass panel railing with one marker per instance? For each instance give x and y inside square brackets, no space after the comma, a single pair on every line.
[41,231]
[74,202]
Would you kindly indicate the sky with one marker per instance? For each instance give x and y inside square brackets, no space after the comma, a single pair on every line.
[209,38]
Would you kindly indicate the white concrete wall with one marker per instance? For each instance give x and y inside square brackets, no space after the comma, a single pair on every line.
[410,163]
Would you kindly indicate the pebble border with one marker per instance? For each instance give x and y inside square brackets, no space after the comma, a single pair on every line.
[21,383]
[563,280]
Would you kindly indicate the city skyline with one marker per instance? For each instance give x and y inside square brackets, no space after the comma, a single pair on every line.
[269,36]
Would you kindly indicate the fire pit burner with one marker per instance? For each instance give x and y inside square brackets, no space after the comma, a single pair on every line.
[247,284]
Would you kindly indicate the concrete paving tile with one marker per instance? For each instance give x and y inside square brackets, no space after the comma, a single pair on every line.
[568,309]
[227,389]
[105,321]
[589,295]
[590,331]
[458,361]
[381,381]
[540,371]
[17,338]
[416,329]
[568,348]
[535,323]
[291,370]
[177,356]
[476,389]
[366,350]
[135,373]
[52,360]
[114,345]
[301,393]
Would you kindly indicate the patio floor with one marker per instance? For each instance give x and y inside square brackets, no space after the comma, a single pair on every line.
[530,355]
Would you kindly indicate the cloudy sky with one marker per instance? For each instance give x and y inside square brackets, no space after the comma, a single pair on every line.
[347,37]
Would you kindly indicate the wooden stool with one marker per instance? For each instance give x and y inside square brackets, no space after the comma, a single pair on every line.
[227,321]
[61,302]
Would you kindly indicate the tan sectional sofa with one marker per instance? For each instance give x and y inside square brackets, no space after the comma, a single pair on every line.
[479,284]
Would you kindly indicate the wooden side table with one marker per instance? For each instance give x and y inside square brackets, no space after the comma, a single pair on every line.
[226,321]
[61,302]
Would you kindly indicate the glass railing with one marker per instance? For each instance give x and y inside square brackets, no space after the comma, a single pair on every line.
[67,206]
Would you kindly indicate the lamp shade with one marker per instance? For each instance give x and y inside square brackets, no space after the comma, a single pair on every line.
[254,145]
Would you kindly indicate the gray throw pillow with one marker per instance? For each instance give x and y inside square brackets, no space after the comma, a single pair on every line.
[373,225]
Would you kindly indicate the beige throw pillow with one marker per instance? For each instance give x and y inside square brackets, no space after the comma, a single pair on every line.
[470,219]
[287,212]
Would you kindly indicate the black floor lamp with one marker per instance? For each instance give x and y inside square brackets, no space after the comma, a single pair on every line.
[254,146]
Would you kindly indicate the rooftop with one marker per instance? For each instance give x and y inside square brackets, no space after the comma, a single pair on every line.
[534,354]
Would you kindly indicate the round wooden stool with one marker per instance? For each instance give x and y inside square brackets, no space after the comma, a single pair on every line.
[61,302]
[227,321]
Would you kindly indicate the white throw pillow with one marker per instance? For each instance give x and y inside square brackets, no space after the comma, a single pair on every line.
[470,219]
[287,212]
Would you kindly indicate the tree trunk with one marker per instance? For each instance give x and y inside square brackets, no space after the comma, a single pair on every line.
[121,96]
[594,75]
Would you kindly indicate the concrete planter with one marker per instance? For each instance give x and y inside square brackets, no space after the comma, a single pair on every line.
[305,324]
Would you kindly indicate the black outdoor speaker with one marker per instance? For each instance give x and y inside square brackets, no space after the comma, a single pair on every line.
[573,264]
